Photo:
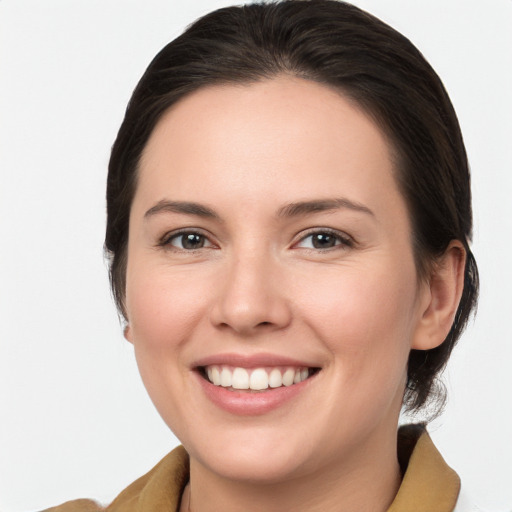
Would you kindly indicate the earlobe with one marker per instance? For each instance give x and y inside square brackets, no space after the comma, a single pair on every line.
[127,333]
[442,297]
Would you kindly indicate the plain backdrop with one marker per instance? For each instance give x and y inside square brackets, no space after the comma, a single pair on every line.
[75,420]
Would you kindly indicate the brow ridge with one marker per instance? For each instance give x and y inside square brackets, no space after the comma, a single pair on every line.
[294,209]
[321,205]
[184,207]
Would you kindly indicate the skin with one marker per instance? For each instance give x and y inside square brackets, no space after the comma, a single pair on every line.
[258,285]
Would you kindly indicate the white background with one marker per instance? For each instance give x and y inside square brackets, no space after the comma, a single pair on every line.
[74,418]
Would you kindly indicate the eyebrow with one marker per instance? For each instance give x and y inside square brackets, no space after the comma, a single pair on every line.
[185,207]
[322,205]
[295,209]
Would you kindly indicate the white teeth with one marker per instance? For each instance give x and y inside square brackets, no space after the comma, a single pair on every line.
[275,379]
[288,377]
[257,379]
[240,379]
[225,378]
[215,378]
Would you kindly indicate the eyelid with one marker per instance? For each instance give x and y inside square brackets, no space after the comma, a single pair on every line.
[165,240]
[344,239]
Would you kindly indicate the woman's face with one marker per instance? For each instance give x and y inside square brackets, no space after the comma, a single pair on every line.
[269,242]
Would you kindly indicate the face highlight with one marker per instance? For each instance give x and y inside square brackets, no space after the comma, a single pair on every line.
[272,294]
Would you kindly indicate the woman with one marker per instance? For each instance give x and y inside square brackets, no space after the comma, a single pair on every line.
[289,219]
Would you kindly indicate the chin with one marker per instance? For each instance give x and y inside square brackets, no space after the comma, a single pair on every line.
[255,466]
[258,456]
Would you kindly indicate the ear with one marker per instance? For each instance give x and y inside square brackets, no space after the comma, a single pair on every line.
[440,298]
[127,333]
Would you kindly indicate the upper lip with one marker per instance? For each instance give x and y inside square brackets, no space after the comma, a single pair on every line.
[252,361]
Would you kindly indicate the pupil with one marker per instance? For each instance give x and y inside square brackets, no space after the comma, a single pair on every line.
[192,241]
[323,240]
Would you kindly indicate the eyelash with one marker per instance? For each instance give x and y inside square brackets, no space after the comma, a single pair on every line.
[166,240]
[341,240]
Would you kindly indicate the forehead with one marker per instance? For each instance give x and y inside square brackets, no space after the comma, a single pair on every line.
[257,141]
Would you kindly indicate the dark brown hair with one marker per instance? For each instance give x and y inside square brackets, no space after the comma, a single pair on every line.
[341,46]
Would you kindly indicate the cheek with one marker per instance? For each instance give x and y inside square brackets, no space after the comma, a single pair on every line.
[163,310]
[366,318]
[162,307]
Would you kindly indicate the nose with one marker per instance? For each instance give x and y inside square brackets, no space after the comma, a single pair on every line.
[252,298]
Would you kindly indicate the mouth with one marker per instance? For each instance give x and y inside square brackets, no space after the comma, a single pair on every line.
[254,384]
[255,380]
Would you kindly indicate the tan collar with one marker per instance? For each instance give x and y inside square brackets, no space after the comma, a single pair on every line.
[160,489]
[428,485]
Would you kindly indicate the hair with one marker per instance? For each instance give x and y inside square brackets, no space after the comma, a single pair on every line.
[336,44]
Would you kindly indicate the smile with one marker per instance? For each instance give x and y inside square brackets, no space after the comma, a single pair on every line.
[254,384]
[255,379]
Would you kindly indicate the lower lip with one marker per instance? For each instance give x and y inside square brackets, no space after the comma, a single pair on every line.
[246,403]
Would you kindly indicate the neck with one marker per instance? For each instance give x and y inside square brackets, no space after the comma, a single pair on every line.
[362,482]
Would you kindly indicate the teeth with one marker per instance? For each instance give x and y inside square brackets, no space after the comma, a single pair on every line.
[225,378]
[275,379]
[215,378]
[259,379]
[288,377]
[240,379]
[256,379]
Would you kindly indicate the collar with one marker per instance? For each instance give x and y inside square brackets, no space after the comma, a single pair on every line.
[428,483]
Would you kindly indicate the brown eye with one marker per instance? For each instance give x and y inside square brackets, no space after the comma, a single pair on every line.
[188,241]
[324,240]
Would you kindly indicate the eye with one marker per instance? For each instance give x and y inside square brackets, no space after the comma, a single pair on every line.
[187,241]
[324,239]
